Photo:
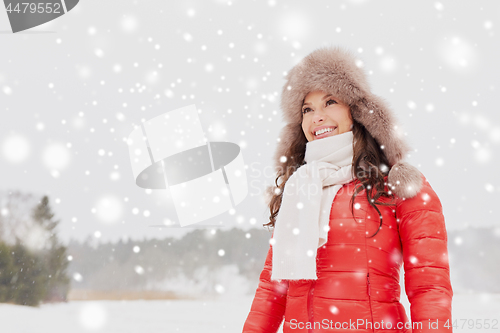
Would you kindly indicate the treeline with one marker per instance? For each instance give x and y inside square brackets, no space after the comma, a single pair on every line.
[35,266]
[196,261]
[199,255]
[33,262]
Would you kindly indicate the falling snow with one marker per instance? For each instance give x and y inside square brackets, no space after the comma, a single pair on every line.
[101,75]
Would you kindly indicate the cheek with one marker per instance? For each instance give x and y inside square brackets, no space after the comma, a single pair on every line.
[304,125]
[347,121]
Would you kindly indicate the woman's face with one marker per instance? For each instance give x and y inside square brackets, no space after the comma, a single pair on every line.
[322,111]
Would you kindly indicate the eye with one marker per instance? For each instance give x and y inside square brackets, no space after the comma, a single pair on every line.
[327,104]
[330,100]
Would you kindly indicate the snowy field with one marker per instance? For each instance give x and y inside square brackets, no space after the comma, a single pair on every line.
[208,316]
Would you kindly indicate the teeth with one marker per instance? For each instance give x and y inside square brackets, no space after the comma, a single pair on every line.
[323,131]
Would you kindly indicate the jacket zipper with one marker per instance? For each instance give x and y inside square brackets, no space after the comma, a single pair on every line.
[369,297]
[368,282]
[368,288]
[310,308]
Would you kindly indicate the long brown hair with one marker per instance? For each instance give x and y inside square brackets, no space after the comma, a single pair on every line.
[369,164]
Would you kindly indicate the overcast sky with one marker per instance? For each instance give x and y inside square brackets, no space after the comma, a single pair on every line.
[72,90]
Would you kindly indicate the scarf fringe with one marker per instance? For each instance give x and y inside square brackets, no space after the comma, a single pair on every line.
[294,280]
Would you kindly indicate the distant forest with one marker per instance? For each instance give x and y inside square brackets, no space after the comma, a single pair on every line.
[196,265]
[36,267]
[204,261]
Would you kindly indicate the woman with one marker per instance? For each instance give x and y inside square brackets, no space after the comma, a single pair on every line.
[335,255]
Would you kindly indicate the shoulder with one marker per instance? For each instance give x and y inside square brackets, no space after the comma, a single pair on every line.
[425,199]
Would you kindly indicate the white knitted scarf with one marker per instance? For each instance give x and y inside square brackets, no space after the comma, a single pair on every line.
[303,219]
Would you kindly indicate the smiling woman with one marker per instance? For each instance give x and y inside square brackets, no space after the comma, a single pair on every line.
[333,261]
[323,115]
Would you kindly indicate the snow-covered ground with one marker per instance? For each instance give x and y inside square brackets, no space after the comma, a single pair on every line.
[208,316]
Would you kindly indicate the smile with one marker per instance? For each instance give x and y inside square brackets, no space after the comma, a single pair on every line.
[324,131]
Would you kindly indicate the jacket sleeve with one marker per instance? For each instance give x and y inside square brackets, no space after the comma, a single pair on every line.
[268,306]
[425,255]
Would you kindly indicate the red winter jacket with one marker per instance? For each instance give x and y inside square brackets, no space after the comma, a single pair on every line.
[357,289]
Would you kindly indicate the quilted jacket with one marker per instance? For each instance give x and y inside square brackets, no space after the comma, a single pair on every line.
[358,288]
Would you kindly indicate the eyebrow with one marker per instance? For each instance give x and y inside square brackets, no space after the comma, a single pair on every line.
[325,97]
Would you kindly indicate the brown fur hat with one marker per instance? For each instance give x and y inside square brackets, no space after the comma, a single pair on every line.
[336,71]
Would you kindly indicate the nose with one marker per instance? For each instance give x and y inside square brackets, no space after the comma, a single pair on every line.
[318,116]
